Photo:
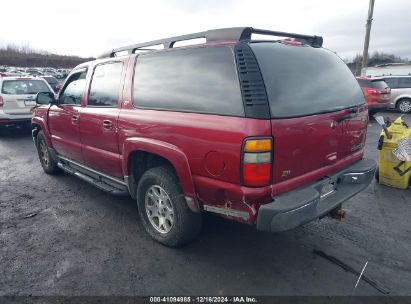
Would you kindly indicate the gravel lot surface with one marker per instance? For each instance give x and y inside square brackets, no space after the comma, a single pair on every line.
[61,236]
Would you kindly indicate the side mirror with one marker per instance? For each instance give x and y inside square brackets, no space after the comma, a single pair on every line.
[44,98]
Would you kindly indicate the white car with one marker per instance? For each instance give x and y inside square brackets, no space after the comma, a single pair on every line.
[17,97]
[400,92]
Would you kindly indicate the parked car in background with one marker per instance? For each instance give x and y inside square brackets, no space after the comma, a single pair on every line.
[34,72]
[16,72]
[400,92]
[59,86]
[17,97]
[376,93]
[53,82]
[62,73]
[49,71]
[214,128]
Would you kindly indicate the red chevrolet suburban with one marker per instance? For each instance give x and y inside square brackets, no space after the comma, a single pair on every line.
[265,132]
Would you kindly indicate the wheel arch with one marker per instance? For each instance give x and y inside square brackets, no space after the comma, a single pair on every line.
[401,97]
[38,124]
[141,154]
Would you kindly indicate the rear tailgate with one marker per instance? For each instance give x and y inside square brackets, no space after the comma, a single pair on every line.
[303,145]
[18,104]
[19,95]
[319,118]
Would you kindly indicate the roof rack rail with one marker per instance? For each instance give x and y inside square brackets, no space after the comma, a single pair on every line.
[224,34]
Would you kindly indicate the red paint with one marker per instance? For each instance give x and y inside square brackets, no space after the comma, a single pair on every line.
[205,150]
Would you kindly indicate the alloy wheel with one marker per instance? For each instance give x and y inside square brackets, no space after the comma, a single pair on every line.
[159,209]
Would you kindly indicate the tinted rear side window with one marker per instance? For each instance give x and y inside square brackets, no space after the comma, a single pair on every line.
[302,80]
[201,80]
[105,85]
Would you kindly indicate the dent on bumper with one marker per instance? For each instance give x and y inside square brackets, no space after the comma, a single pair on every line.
[303,205]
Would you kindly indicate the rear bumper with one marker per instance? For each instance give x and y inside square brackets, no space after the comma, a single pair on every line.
[303,205]
[7,119]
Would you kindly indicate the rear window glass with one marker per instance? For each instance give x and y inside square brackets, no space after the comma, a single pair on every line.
[23,87]
[301,80]
[392,82]
[200,80]
[374,84]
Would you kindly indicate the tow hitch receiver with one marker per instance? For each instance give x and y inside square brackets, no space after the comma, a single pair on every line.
[337,213]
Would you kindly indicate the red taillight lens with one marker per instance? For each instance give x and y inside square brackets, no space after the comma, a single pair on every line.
[372,91]
[256,175]
[1,102]
[256,162]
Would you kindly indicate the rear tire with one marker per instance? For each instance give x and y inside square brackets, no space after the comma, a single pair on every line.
[163,210]
[47,162]
[404,105]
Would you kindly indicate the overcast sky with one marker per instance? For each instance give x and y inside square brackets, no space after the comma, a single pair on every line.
[87,28]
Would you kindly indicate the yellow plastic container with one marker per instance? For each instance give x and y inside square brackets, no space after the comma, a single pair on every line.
[392,171]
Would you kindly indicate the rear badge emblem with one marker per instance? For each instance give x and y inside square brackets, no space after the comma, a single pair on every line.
[286,173]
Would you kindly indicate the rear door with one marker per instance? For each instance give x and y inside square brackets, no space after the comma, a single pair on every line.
[317,107]
[98,120]
[19,94]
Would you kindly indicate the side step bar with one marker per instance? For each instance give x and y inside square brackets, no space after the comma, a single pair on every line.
[107,184]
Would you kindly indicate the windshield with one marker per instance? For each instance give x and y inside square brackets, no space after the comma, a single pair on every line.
[23,87]
[302,80]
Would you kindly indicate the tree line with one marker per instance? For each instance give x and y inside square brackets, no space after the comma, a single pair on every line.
[23,56]
[376,58]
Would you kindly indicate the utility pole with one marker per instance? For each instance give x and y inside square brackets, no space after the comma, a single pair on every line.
[367,34]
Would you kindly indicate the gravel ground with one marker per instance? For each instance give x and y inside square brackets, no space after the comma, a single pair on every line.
[61,236]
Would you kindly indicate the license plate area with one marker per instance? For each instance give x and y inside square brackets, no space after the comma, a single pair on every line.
[327,190]
[29,103]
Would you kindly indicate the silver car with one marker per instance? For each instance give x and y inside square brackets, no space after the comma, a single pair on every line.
[17,97]
[400,92]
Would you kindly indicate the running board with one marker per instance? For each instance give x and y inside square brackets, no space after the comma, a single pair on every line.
[108,185]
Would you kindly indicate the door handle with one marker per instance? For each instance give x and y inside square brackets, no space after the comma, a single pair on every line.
[74,119]
[107,124]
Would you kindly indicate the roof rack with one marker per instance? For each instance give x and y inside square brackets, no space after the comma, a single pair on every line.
[225,34]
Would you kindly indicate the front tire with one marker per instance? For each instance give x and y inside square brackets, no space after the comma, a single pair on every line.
[47,162]
[404,105]
[163,210]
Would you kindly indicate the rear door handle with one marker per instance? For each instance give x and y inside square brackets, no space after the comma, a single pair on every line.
[107,125]
[74,119]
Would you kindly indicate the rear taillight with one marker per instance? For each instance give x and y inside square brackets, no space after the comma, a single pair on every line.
[1,102]
[373,92]
[256,162]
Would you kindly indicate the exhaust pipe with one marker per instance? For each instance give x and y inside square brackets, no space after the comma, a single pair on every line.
[337,213]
